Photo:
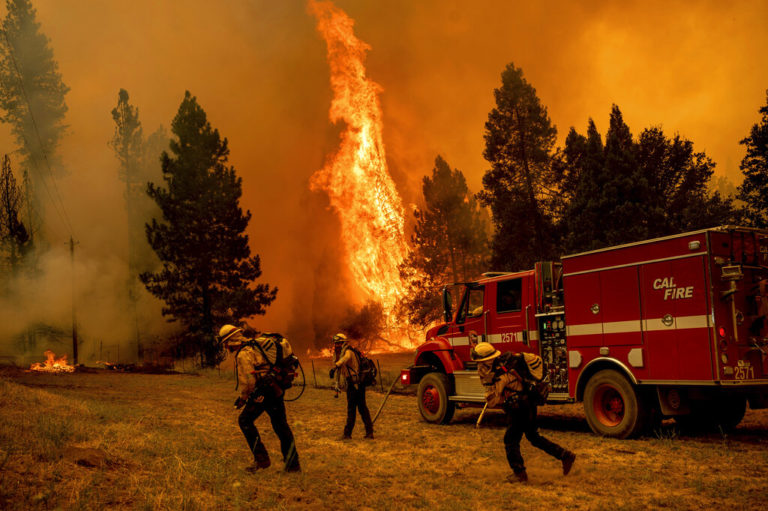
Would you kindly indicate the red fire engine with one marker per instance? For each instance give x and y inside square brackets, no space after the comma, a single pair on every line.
[669,327]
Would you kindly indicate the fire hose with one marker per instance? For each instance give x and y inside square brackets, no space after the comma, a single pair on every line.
[381,407]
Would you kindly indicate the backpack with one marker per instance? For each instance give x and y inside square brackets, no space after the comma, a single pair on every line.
[285,367]
[367,373]
[533,371]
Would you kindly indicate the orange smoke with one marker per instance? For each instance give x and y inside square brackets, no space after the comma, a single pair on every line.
[356,178]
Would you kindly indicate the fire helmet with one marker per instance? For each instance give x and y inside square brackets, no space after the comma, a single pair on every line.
[339,337]
[483,352]
[227,332]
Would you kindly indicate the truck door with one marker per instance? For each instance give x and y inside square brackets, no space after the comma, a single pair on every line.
[507,321]
[470,320]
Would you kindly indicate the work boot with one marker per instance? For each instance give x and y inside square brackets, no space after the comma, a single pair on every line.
[293,468]
[346,437]
[518,477]
[258,465]
[568,460]
[369,435]
[260,458]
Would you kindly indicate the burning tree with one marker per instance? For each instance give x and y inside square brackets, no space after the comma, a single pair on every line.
[207,270]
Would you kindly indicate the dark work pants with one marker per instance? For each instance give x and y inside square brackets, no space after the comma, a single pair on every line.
[523,421]
[356,401]
[275,408]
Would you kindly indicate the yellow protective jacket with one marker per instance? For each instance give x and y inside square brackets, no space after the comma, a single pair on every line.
[252,366]
[348,366]
[499,385]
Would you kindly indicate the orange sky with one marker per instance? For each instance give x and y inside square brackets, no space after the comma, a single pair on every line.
[258,69]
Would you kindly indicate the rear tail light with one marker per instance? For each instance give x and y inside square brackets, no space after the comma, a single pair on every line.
[721,331]
[405,377]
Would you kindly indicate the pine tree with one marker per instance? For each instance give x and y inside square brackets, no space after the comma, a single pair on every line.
[679,178]
[136,169]
[31,95]
[628,191]
[754,189]
[207,270]
[14,236]
[586,160]
[519,140]
[449,243]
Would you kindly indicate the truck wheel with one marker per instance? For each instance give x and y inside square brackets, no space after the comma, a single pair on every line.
[611,405]
[433,393]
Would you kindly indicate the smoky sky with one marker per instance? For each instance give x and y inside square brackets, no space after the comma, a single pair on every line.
[258,68]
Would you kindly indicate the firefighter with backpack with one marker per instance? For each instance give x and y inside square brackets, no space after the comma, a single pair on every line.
[514,381]
[259,366]
[348,365]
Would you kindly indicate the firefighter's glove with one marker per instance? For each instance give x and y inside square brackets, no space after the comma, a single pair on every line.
[331,373]
[239,402]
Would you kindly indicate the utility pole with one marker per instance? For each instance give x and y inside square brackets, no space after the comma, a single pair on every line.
[74,319]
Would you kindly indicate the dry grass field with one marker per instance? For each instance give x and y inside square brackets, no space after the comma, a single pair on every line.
[119,440]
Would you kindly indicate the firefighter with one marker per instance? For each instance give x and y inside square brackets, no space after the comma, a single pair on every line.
[259,394]
[347,365]
[504,386]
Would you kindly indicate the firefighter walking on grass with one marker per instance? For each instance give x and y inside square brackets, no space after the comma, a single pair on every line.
[348,366]
[501,376]
[254,361]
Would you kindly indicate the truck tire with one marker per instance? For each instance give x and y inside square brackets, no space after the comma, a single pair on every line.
[433,393]
[612,406]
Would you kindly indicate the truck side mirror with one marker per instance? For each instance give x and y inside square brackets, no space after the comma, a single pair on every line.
[447,306]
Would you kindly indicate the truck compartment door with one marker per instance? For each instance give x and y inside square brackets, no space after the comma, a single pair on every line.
[675,321]
[583,312]
[620,301]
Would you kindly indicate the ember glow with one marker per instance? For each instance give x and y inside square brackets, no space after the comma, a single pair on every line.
[52,364]
[356,178]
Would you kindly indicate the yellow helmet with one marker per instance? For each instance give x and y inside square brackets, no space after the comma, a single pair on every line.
[483,352]
[227,331]
[339,337]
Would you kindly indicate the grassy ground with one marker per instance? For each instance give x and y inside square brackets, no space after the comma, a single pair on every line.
[118,440]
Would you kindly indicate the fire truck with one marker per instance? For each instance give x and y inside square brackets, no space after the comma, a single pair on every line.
[669,327]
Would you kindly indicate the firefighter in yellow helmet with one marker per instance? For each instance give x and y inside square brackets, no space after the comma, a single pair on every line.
[348,365]
[259,395]
[501,376]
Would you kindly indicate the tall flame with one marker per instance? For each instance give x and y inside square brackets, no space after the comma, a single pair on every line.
[356,178]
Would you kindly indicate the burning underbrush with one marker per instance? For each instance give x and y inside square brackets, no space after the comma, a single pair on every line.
[58,365]
[52,364]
